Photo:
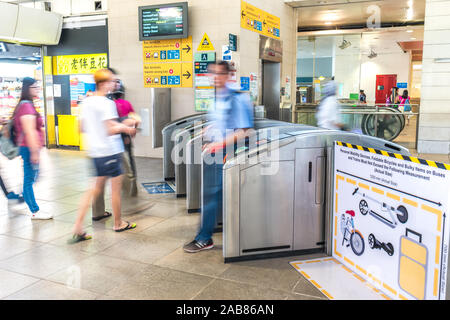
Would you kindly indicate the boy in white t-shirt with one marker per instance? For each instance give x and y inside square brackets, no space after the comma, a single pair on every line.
[105,147]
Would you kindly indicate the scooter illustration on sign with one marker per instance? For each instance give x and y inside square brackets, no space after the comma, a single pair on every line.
[400,214]
[352,237]
[375,244]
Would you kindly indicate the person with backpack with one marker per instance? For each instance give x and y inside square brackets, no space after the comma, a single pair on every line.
[405,105]
[232,118]
[29,136]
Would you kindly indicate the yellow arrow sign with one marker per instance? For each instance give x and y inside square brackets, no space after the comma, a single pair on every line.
[172,50]
[205,44]
[168,75]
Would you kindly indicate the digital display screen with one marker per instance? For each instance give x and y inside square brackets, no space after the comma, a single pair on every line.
[163,22]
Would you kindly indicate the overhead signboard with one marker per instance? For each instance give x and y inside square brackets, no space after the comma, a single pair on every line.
[260,21]
[79,64]
[389,221]
[172,50]
[205,44]
[168,21]
[168,75]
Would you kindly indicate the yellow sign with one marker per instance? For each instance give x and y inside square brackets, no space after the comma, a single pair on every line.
[172,50]
[257,20]
[205,44]
[79,64]
[168,75]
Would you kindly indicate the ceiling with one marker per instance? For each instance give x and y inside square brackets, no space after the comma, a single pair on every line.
[330,14]
[393,40]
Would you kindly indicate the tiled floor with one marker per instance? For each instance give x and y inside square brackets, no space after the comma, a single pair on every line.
[145,263]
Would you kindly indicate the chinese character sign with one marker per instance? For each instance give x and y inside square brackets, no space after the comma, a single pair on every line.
[80,64]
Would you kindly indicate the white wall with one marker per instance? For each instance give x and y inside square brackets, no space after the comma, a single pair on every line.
[434,124]
[391,63]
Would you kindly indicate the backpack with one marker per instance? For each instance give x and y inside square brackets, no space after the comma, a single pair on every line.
[8,146]
[407,106]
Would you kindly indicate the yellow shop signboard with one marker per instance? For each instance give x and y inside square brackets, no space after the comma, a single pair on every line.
[79,64]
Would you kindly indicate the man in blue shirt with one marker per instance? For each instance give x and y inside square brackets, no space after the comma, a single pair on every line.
[231,119]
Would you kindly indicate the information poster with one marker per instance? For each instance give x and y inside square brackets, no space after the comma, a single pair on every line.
[80,87]
[257,20]
[389,221]
[204,89]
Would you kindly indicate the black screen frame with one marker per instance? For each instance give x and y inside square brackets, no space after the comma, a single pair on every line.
[184,5]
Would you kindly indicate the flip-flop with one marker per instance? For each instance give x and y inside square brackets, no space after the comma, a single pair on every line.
[128,227]
[78,238]
[106,215]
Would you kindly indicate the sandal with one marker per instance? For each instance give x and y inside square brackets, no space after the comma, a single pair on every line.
[79,237]
[106,215]
[128,227]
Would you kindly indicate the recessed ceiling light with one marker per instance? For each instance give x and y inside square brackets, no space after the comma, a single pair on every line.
[328,22]
[409,31]
[413,38]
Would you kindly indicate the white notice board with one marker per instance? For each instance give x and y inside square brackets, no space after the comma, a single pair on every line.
[390,220]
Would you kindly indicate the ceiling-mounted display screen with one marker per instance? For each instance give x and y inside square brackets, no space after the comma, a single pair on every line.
[164,21]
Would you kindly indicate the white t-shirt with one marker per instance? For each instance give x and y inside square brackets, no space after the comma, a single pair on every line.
[95,110]
[328,114]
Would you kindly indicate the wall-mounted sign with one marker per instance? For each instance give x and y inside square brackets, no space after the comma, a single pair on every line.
[168,75]
[389,221]
[202,61]
[232,42]
[79,64]
[245,83]
[402,85]
[205,44]
[172,50]
[226,53]
[3,47]
[257,20]
[204,91]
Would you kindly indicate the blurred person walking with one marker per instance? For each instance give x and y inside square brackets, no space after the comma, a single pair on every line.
[29,135]
[328,110]
[99,120]
[231,118]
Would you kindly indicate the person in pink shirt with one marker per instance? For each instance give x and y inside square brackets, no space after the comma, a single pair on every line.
[29,135]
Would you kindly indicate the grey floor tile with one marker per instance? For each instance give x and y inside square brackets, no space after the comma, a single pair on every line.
[182,227]
[17,221]
[102,239]
[10,246]
[12,282]
[43,261]
[142,248]
[99,273]
[46,290]
[230,290]
[208,262]
[143,222]
[46,231]
[160,283]
[165,209]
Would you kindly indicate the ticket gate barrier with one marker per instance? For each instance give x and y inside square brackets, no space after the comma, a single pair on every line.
[179,151]
[168,143]
[288,211]
[193,164]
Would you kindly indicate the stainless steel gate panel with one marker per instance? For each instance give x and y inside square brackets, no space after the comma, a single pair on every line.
[261,230]
[309,198]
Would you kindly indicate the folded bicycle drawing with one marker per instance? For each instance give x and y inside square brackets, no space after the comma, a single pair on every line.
[352,237]
[400,213]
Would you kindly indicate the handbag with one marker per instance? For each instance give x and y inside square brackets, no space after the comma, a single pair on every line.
[8,146]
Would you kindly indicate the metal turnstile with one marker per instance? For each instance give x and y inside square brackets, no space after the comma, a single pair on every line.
[179,151]
[277,196]
[193,164]
[168,143]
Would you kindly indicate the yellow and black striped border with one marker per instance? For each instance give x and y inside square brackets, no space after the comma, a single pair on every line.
[424,162]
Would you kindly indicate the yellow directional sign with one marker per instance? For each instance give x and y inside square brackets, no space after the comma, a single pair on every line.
[257,20]
[205,44]
[168,75]
[171,50]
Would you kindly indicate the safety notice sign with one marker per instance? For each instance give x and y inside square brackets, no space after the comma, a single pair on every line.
[205,44]
[168,75]
[390,220]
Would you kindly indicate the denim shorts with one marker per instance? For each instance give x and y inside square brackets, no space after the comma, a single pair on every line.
[110,166]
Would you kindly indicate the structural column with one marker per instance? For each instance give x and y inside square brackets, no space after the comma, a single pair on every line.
[434,122]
